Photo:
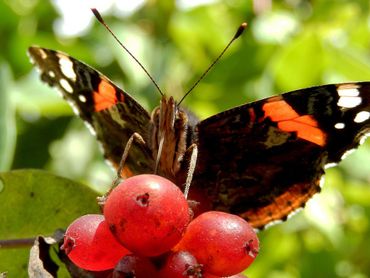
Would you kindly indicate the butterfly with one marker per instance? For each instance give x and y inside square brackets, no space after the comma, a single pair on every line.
[261,160]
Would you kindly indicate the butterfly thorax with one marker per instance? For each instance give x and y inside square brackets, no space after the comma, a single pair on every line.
[169,128]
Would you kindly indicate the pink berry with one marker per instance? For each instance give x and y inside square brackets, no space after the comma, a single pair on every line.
[147,213]
[90,245]
[180,264]
[134,266]
[224,243]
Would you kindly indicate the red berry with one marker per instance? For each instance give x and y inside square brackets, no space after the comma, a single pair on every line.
[224,243]
[133,266]
[147,213]
[180,264]
[90,245]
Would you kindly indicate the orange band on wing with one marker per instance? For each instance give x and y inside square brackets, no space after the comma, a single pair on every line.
[307,120]
[289,120]
[279,111]
[105,97]
[304,131]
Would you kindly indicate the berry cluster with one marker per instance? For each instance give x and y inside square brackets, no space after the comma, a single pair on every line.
[147,231]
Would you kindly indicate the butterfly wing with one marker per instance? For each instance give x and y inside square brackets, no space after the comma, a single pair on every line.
[264,160]
[111,113]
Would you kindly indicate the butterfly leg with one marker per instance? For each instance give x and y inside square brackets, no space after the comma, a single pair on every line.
[123,172]
[193,152]
[137,140]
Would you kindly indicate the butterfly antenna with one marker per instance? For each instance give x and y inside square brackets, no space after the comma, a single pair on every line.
[101,20]
[237,35]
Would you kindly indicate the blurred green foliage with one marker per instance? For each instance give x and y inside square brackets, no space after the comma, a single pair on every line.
[290,45]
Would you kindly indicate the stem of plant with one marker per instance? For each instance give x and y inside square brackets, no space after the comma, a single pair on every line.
[17,243]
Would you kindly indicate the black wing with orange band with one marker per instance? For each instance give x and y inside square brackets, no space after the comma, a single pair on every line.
[265,159]
[109,111]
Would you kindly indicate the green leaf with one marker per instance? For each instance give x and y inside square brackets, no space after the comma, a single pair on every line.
[7,122]
[34,202]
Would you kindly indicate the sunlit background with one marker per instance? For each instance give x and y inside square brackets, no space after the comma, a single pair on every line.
[288,45]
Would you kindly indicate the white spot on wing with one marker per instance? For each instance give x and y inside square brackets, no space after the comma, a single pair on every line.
[274,222]
[339,125]
[82,98]
[322,180]
[51,74]
[330,165]
[66,66]
[362,117]
[347,153]
[348,92]
[42,53]
[110,164]
[65,85]
[349,102]
[364,137]
[90,128]
[291,214]
[74,108]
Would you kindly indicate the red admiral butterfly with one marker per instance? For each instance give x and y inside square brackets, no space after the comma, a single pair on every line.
[261,160]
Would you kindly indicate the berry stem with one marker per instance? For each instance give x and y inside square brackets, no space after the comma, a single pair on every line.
[17,243]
